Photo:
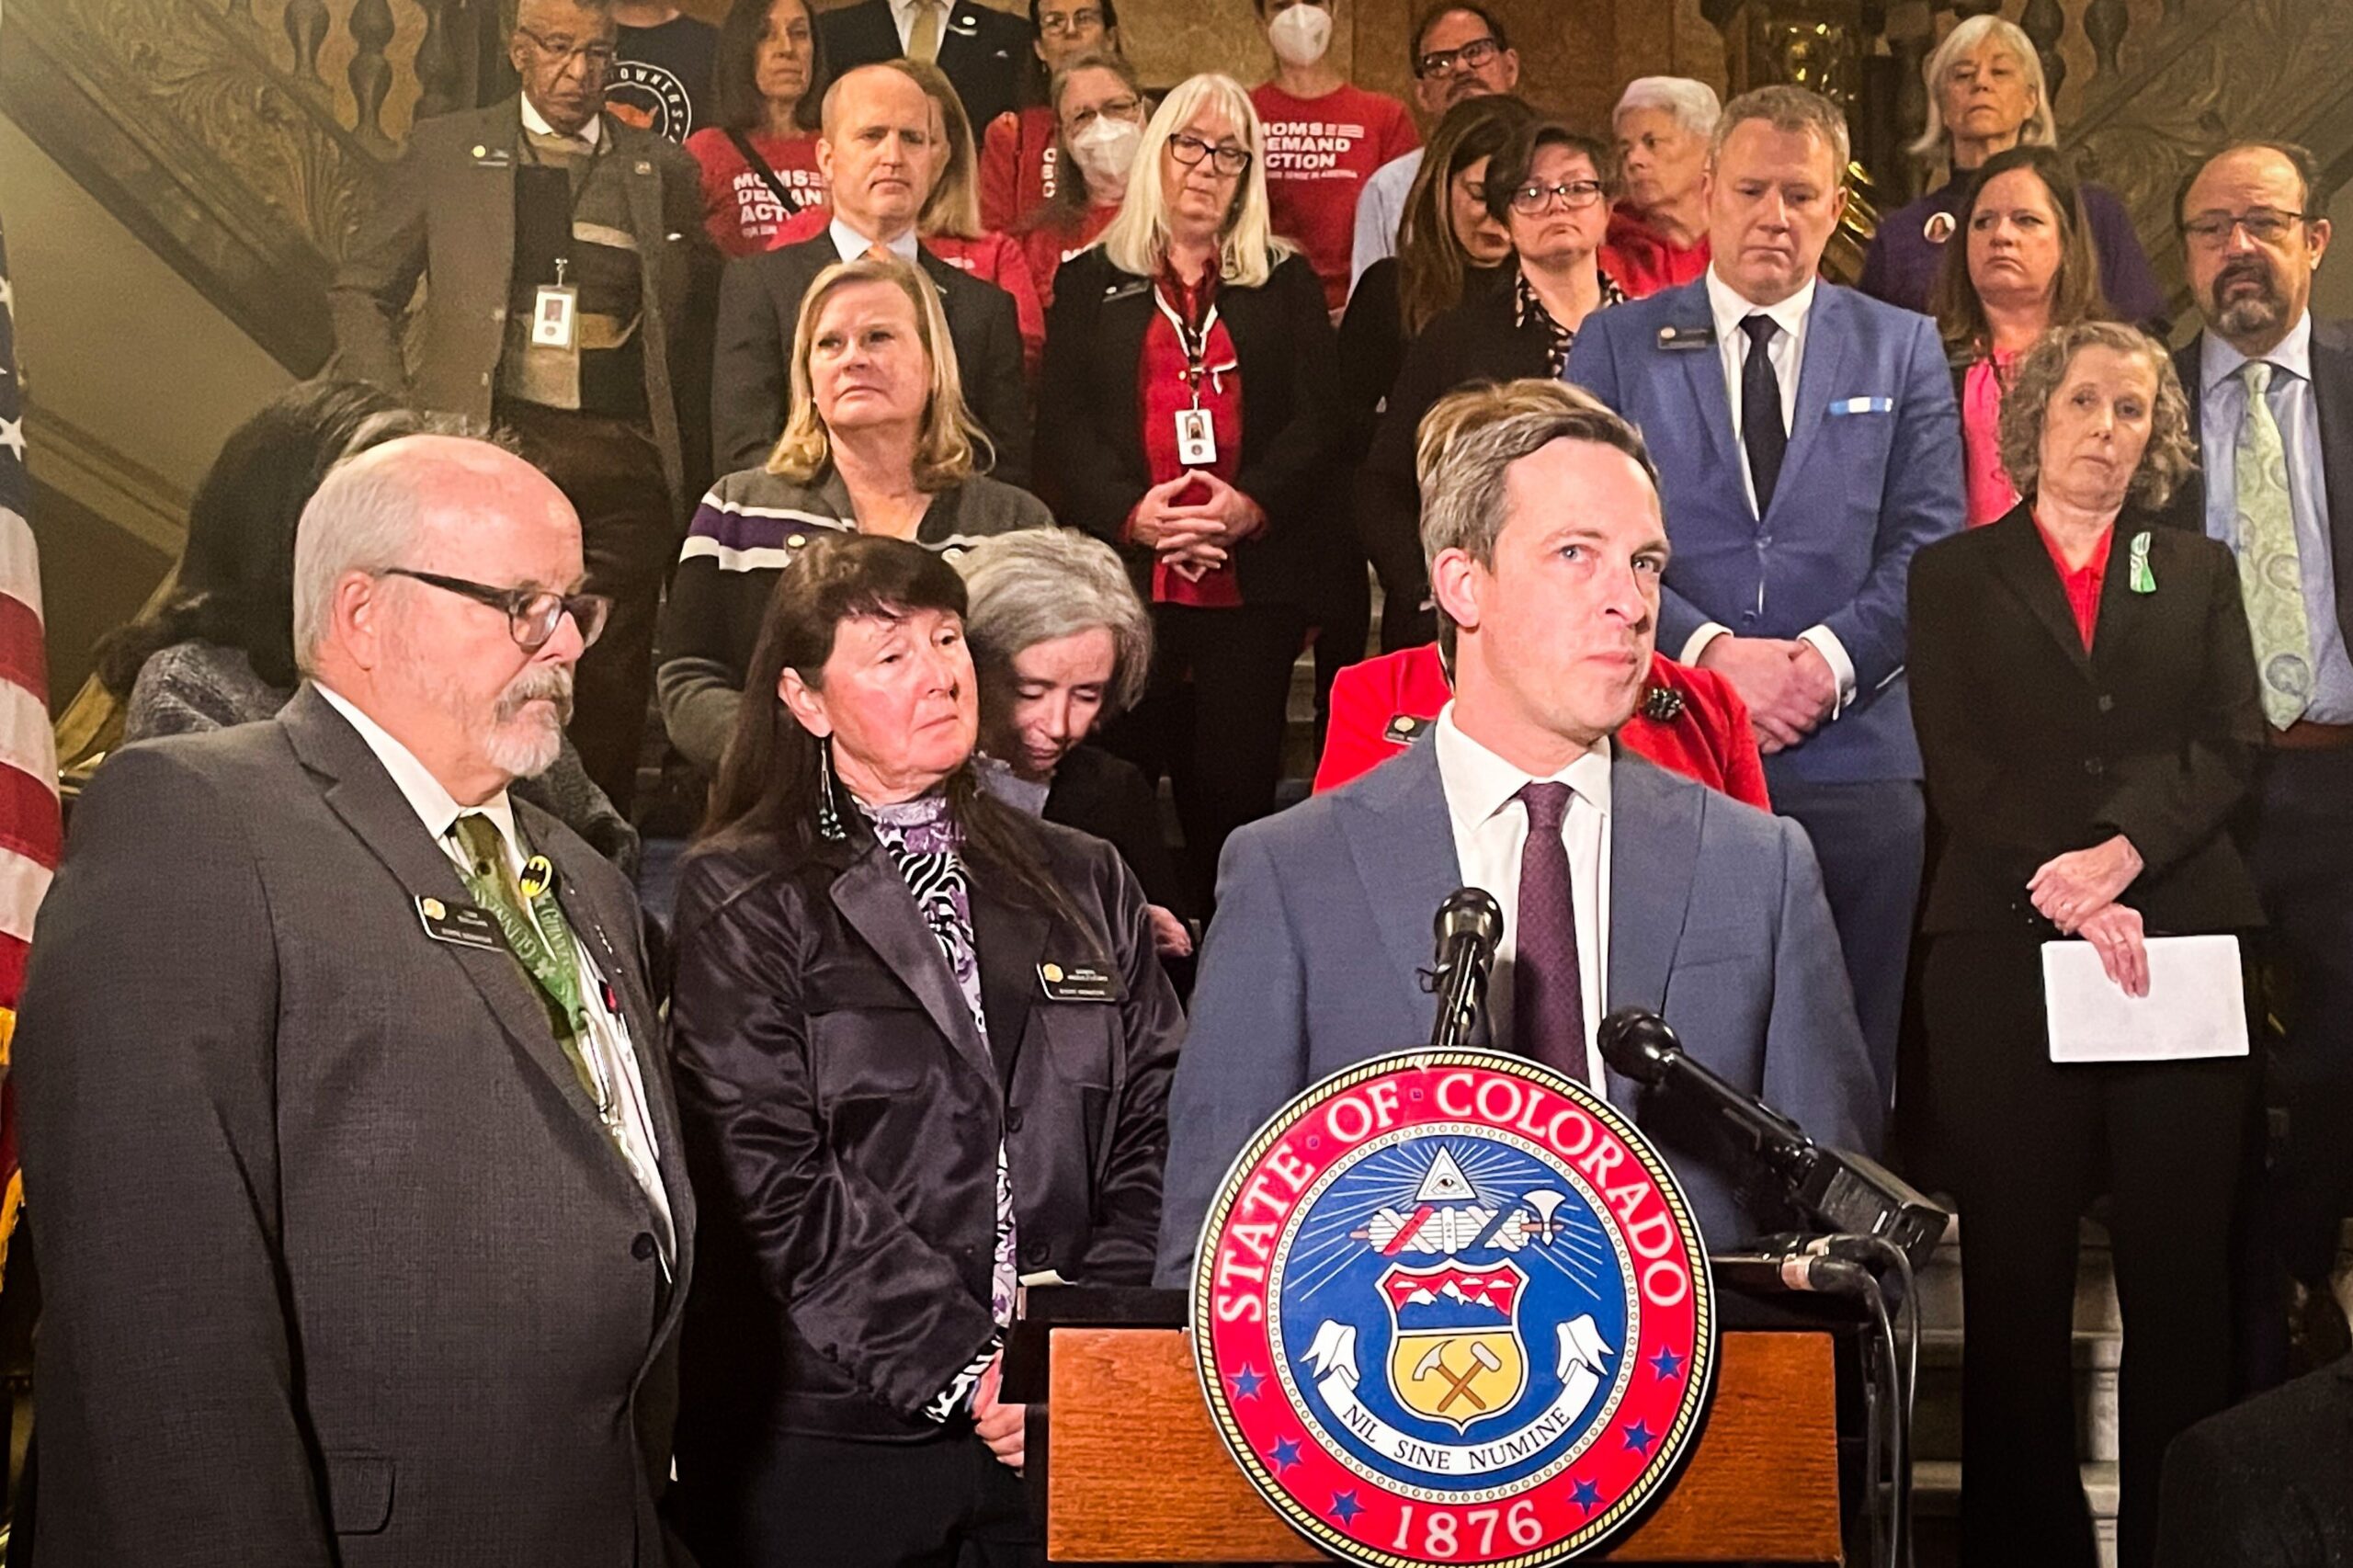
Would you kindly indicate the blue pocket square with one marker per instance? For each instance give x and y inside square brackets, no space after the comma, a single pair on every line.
[1862,406]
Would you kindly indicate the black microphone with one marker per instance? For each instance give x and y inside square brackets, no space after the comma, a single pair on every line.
[1771,1273]
[1846,1191]
[1469,924]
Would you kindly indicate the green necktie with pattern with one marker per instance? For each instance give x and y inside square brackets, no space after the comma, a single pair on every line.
[539,937]
[2271,575]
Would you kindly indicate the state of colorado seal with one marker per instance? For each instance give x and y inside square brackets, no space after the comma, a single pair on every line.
[1451,1308]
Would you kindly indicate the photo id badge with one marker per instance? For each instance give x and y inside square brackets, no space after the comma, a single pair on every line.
[1196,438]
[555,316]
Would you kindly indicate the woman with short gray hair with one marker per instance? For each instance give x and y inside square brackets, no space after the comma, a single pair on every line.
[2084,687]
[1061,642]
[1986,94]
[1658,230]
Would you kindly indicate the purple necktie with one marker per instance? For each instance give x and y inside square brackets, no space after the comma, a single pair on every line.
[1548,988]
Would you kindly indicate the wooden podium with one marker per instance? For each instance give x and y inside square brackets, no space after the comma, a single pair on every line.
[1125,1466]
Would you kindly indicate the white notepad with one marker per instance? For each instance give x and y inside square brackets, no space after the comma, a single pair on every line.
[2195,1005]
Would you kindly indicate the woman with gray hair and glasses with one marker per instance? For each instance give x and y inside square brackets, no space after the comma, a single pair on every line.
[1061,642]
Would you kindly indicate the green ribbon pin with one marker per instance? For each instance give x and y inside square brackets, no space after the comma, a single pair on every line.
[2143,579]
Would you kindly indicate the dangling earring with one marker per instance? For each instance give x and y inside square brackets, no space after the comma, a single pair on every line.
[829,816]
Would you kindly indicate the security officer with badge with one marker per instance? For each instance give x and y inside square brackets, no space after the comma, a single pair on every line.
[569,282]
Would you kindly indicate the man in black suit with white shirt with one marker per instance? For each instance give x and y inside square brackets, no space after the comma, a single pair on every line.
[983,49]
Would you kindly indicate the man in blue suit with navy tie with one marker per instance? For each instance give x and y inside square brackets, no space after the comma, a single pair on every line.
[1620,884]
[1807,443]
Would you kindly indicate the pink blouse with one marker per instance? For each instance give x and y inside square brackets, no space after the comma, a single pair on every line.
[1990,490]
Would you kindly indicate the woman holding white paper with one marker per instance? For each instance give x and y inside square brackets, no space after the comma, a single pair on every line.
[2084,687]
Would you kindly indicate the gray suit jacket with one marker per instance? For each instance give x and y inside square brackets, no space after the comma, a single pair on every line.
[1716,920]
[339,1267]
[445,212]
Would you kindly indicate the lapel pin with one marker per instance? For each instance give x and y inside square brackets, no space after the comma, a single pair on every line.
[2142,579]
[644,168]
[1940,228]
[538,876]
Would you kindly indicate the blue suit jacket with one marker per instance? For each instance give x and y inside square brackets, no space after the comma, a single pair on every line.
[1323,919]
[1873,473]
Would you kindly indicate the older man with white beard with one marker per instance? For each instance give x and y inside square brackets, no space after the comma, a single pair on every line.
[360,1206]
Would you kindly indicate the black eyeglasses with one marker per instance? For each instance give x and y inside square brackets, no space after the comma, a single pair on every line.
[532,614]
[1471,56]
[2264,225]
[1192,150]
[1535,198]
[597,55]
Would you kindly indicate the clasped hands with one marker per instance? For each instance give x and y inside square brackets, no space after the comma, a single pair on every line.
[1194,537]
[1789,688]
[2077,892]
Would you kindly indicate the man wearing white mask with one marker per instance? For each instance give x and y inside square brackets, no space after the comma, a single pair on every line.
[1325,138]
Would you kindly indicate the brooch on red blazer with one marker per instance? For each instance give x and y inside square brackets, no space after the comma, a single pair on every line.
[1662,705]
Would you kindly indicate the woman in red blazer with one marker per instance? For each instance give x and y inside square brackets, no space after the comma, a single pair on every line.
[1691,722]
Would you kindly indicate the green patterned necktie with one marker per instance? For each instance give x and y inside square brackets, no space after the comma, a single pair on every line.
[539,937]
[2271,576]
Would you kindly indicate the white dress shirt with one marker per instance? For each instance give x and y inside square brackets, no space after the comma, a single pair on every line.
[537,124]
[608,1045]
[850,244]
[2222,398]
[1788,354]
[1380,206]
[1491,832]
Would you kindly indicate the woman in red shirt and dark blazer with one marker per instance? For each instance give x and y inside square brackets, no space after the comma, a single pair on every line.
[1190,381]
[2083,686]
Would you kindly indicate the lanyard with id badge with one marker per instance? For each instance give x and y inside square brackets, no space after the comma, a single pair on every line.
[545,248]
[1195,425]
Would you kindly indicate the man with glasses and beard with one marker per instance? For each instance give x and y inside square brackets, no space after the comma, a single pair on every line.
[2271,405]
[361,1214]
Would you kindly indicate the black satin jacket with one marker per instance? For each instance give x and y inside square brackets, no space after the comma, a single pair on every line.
[841,1116]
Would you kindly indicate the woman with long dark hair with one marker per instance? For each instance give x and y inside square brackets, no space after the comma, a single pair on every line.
[759,161]
[219,649]
[2025,263]
[922,1047]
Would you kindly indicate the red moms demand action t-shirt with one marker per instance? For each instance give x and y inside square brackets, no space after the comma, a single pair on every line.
[1319,154]
[742,213]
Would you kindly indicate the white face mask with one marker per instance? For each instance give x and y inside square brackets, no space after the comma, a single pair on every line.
[1106,150]
[1301,35]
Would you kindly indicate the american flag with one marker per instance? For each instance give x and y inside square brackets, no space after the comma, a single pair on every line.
[30,820]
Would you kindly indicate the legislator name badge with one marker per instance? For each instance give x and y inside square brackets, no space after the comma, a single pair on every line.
[1452,1308]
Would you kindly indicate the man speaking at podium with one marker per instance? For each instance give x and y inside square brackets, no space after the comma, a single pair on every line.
[1620,884]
